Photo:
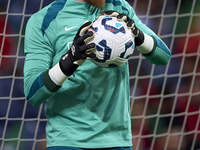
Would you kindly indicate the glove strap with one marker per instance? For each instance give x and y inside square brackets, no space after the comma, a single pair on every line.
[140,38]
[67,66]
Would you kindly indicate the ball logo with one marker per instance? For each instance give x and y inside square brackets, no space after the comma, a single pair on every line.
[117,29]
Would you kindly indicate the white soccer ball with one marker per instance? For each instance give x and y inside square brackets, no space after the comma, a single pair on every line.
[114,42]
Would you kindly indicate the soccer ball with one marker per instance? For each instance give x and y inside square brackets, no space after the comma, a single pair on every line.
[114,42]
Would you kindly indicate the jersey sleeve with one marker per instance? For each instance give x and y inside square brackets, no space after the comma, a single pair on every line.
[160,55]
[39,54]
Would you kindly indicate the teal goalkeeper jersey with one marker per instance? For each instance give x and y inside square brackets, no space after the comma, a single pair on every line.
[91,109]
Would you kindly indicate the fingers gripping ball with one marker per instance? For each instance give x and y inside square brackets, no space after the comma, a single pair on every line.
[114,42]
[80,50]
[122,16]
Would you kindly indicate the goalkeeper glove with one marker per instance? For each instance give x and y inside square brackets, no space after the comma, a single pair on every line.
[80,51]
[75,56]
[145,43]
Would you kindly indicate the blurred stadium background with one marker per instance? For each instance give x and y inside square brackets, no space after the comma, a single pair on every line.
[165,100]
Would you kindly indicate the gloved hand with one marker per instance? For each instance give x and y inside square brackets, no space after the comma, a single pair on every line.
[139,36]
[80,50]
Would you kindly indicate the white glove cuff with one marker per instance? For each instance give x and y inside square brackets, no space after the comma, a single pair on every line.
[57,76]
[147,46]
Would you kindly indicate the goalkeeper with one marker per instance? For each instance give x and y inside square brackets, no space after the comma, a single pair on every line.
[87,106]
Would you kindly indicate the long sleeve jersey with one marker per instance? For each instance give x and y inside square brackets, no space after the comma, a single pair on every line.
[91,109]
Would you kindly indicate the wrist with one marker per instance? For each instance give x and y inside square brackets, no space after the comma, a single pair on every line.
[66,64]
[62,70]
[147,45]
[57,76]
